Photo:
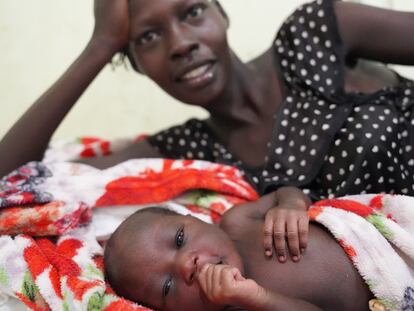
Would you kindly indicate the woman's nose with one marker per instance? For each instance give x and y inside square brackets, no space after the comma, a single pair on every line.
[187,266]
[183,43]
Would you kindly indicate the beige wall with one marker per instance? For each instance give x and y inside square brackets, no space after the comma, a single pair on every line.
[39,39]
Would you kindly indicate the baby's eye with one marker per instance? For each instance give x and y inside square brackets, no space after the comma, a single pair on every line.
[166,288]
[196,11]
[179,237]
[147,37]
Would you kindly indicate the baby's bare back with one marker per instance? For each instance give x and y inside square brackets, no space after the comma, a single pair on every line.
[324,276]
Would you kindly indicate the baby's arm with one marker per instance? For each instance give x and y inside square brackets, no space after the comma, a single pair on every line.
[284,213]
[224,285]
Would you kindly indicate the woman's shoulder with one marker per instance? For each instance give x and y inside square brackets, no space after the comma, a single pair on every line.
[309,20]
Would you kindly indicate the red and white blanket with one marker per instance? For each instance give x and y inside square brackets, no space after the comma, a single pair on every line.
[57,199]
[65,272]
[377,233]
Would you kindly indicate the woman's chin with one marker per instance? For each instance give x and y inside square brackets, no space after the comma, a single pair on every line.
[202,92]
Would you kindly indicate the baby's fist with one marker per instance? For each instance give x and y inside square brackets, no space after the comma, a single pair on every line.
[225,285]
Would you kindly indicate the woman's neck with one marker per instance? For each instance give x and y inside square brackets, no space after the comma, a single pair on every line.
[239,102]
[251,92]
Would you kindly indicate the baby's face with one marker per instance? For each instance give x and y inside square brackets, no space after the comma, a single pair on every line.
[166,258]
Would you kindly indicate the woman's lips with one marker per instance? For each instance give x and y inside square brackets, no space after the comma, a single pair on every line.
[199,76]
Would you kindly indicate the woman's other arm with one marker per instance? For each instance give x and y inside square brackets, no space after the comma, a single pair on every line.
[28,138]
[375,33]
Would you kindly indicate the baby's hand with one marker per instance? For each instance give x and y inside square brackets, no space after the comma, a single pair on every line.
[286,222]
[225,286]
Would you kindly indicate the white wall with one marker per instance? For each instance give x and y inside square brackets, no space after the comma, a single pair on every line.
[39,39]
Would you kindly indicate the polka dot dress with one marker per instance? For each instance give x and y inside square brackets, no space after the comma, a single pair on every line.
[325,141]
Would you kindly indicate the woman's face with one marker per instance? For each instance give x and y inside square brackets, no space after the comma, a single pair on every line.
[167,255]
[182,46]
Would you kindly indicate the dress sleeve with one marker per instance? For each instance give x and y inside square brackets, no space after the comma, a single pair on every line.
[310,51]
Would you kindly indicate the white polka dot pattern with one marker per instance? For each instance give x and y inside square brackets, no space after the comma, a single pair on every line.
[325,141]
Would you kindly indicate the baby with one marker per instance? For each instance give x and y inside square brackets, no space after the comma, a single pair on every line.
[168,261]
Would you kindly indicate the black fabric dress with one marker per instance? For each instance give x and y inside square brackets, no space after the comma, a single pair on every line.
[325,141]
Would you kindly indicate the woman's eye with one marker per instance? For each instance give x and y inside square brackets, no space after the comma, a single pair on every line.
[179,238]
[196,11]
[166,288]
[147,37]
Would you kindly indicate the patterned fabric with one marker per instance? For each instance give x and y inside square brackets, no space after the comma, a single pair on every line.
[53,199]
[325,141]
[86,147]
[377,233]
[67,275]
[63,276]
[57,199]
[19,187]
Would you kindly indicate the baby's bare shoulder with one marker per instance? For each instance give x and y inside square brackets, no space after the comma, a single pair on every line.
[235,221]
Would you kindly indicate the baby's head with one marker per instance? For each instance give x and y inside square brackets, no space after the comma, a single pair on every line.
[155,255]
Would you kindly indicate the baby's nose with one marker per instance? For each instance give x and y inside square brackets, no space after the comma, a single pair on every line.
[188,267]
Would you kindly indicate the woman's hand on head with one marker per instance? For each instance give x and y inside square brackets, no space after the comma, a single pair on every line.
[287,221]
[111,24]
[224,285]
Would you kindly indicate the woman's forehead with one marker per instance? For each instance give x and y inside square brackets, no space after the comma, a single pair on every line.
[164,2]
[145,4]
[146,8]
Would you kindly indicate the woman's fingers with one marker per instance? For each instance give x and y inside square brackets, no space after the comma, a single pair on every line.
[111,23]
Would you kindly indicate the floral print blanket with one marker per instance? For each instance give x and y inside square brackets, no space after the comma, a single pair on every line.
[52,199]
[377,233]
[40,200]
[50,258]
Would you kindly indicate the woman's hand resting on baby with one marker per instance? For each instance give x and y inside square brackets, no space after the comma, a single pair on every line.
[111,24]
[287,221]
[224,285]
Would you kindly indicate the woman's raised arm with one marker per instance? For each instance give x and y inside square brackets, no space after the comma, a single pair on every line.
[377,34]
[28,138]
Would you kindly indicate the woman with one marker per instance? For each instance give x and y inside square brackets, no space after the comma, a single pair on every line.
[308,112]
